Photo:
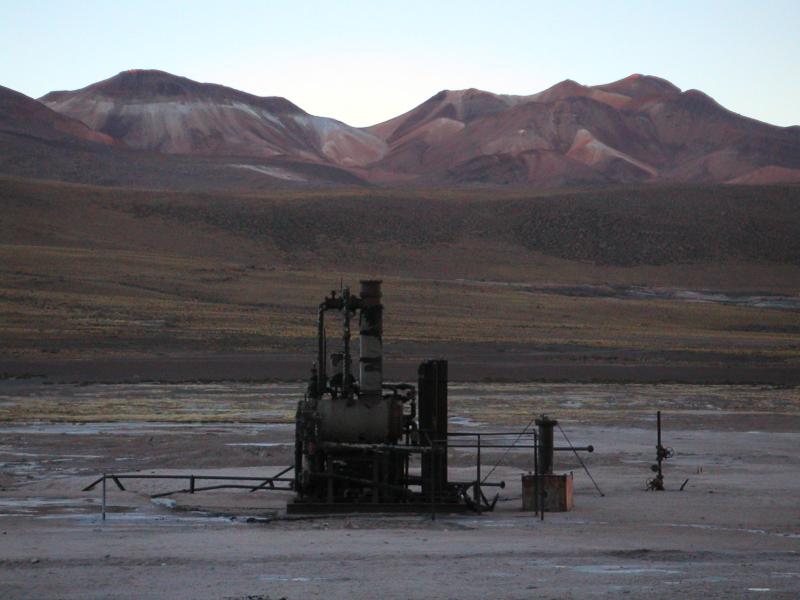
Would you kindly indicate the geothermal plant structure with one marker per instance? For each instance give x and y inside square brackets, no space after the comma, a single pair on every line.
[363,445]
[356,435]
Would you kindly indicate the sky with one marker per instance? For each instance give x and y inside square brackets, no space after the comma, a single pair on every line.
[363,62]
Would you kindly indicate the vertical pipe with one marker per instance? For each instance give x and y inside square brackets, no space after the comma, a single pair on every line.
[432,405]
[433,486]
[540,490]
[104,497]
[545,451]
[659,450]
[370,322]
[546,425]
[346,345]
[321,358]
[658,425]
[541,502]
[476,493]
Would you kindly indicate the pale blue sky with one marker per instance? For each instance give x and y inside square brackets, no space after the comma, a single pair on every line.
[365,61]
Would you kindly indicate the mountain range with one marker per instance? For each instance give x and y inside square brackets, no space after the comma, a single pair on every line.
[147,128]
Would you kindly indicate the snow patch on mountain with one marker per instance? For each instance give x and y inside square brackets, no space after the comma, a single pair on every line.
[272,172]
[587,149]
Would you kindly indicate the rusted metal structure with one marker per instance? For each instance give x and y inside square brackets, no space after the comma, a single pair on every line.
[365,445]
[544,490]
[656,484]
[362,444]
[357,438]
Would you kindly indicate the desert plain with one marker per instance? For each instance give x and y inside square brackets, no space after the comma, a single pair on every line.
[166,332]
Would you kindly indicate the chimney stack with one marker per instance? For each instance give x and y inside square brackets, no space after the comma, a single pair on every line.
[370,330]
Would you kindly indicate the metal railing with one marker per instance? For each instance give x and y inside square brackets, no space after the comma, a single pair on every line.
[264,483]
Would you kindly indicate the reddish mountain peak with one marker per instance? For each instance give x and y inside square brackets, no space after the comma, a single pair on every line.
[572,90]
[467,105]
[568,85]
[148,81]
[139,84]
[563,89]
[460,95]
[472,92]
[638,85]
[155,110]
[159,86]
[456,105]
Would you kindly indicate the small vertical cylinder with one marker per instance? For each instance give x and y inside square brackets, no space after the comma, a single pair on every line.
[371,340]
[432,390]
[658,426]
[545,425]
[103,509]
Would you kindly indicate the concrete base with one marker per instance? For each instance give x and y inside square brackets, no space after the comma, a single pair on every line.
[556,492]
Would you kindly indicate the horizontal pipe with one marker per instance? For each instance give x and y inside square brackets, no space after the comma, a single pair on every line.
[482,446]
[417,480]
[197,477]
[500,484]
[531,446]
[226,486]
[440,443]
[589,448]
[488,433]
[236,486]
[375,447]
[207,477]
[218,487]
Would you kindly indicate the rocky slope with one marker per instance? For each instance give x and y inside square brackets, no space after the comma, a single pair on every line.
[21,115]
[153,110]
[640,129]
[637,129]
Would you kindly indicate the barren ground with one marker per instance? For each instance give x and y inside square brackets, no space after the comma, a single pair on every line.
[687,284]
[595,307]
[734,532]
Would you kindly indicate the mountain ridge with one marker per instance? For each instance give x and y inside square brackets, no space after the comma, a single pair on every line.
[637,129]
[22,114]
[155,110]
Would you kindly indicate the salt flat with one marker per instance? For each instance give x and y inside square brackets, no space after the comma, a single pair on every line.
[734,532]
